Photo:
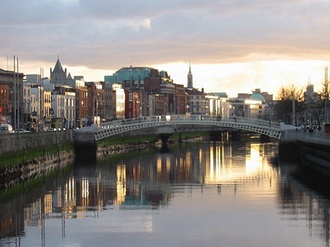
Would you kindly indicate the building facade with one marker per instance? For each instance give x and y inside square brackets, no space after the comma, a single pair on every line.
[11,97]
[132,103]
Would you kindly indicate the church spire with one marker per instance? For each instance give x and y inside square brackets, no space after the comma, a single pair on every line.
[58,66]
[190,78]
[58,75]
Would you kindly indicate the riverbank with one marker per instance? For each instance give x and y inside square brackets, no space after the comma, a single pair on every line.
[16,168]
[19,167]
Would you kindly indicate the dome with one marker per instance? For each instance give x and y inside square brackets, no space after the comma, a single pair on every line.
[258,96]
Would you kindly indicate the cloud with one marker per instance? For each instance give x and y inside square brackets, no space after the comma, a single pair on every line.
[108,34]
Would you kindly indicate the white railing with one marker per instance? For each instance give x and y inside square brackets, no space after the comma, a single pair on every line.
[189,118]
[107,129]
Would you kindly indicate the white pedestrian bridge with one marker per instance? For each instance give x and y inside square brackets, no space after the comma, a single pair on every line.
[180,123]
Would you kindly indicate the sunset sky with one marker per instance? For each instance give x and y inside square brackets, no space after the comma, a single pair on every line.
[233,45]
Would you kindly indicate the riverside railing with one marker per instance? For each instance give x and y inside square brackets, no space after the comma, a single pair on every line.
[317,137]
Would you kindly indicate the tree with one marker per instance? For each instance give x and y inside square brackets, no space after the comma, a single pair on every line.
[324,98]
[325,90]
[289,98]
[316,109]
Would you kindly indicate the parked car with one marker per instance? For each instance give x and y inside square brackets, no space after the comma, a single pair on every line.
[6,128]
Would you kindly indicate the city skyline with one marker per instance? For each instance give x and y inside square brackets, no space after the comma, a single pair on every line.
[232,46]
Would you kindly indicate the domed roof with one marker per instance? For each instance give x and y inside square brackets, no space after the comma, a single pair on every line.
[258,96]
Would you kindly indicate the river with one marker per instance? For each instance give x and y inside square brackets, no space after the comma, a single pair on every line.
[228,193]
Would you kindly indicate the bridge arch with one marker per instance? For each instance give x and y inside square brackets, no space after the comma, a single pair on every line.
[182,122]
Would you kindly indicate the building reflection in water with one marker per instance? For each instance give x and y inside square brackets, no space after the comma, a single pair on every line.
[121,185]
[220,168]
[146,182]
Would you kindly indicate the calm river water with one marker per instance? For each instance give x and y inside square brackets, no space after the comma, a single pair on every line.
[200,194]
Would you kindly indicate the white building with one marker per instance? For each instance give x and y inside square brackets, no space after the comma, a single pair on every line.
[63,107]
[253,107]
[35,107]
[216,105]
[118,101]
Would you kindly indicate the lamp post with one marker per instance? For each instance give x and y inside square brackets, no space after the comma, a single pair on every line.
[15,96]
[293,110]
[326,111]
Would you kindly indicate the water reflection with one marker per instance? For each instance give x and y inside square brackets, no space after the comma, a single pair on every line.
[138,195]
[299,202]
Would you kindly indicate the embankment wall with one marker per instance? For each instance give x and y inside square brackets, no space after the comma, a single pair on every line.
[18,142]
[311,150]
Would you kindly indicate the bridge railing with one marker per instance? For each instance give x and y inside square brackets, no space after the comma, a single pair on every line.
[191,118]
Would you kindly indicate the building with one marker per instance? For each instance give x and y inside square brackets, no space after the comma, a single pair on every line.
[64,107]
[197,102]
[11,97]
[253,106]
[26,106]
[161,104]
[118,101]
[189,78]
[95,101]
[132,103]
[47,106]
[108,104]
[81,101]
[147,81]
[41,114]
[218,104]
[58,75]
[180,100]
[33,79]
[133,77]
[36,113]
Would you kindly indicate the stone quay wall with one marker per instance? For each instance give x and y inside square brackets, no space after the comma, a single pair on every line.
[311,149]
[17,142]
[315,156]
[18,173]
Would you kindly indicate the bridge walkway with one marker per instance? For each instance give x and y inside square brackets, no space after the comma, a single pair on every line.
[201,122]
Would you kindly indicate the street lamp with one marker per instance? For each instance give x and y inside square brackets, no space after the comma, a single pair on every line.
[293,110]
[326,110]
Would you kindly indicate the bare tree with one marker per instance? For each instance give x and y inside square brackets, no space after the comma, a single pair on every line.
[290,92]
[324,98]
[289,101]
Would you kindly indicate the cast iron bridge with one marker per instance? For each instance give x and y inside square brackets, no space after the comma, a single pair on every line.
[180,123]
